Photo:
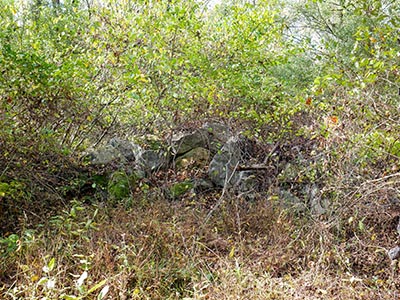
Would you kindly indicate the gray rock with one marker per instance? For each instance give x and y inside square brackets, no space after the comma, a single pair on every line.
[219,135]
[183,143]
[219,131]
[150,161]
[103,156]
[318,205]
[247,181]
[290,172]
[210,136]
[398,227]
[309,200]
[394,253]
[128,149]
[246,184]
[291,201]
[200,185]
[197,157]
[222,169]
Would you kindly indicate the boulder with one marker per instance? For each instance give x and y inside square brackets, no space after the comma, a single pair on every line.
[103,156]
[201,185]
[291,201]
[318,205]
[149,161]
[222,169]
[308,198]
[182,143]
[128,149]
[116,150]
[219,135]
[291,172]
[398,227]
[211,136]
[198,158]
[247,184]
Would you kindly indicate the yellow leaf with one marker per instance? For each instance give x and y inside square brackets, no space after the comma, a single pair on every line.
[142,78]
[232,253]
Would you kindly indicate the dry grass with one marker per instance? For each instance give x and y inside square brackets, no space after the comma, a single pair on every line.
[163,250]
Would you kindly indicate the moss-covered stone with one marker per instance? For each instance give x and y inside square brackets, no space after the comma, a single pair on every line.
[180,188]
[195,158]
[120,185]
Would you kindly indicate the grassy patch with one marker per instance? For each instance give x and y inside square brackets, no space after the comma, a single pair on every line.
[163,250]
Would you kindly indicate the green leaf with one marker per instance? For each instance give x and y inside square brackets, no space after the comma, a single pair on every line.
[51,264]
[361,225]
[73,212]
[97,286]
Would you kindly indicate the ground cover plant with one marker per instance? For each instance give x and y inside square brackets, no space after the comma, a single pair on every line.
[311,81]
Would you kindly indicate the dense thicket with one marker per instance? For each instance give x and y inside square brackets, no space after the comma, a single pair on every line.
[74,73]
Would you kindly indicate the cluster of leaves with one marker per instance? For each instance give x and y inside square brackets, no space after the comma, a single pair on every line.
[179,61]
[71,72]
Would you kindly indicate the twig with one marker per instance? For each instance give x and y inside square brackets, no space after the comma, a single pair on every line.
[380,179]
[253,168]
[221,198]
[266,160]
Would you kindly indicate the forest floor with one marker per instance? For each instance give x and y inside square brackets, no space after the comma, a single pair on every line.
[155,248]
